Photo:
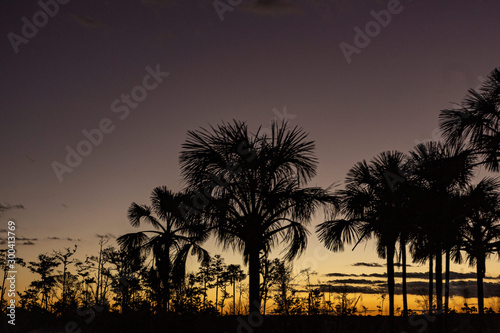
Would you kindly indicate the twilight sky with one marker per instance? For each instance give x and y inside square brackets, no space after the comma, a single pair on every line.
[264,60]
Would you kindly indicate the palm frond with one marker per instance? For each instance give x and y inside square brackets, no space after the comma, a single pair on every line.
[334,234]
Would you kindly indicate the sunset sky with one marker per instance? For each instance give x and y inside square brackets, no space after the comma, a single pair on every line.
[263,60]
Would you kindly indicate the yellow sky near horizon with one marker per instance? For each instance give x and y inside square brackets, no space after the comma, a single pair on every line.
[318,259]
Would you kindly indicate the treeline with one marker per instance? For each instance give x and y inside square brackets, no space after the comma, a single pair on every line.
[249,192]
[116,281]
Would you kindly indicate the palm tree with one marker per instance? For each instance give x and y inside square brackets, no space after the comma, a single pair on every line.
[439,172]
[169,242]
[477,120]
[481,230]
[373,204]
[251,187]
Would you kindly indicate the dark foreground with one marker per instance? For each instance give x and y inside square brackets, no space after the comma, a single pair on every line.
[147,323]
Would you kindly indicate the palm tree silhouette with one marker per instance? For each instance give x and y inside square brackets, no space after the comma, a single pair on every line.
[373,204]
[478,120]
[481,230]
[251,189]
[169,242]
[440,171]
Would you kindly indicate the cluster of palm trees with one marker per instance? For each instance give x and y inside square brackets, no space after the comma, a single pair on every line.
[250,191]
[426,201]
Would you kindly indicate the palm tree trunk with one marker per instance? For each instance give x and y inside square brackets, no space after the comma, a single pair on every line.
[166,278]
[481,268]
[431,285]
[439,281]
[405,294]
[283,295]
[447,282]
[390,278]
[254,281]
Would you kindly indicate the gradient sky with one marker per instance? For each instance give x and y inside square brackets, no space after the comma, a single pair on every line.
[264,56]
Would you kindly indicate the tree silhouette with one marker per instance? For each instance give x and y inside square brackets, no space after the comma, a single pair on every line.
[64,258]
[251,189]
[373,205]
[235,274]
[481,230]
[44,267]
[477,120]
[170,243]
[440,171]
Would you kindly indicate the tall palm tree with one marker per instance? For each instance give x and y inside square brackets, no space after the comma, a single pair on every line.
[373,204]
[481,230]
[477,120]
[251,187]
[170,241]
[439,172]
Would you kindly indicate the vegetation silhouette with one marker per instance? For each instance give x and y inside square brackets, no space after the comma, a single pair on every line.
[249,191]
[259,200]
[372,207]
[169,244]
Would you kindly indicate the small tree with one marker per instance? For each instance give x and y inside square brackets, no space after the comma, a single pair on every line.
[206,275]
[44,267]
[65,261]
[235,274]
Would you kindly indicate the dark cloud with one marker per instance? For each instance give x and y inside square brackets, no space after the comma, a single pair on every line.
[271,7]
[66,239]
[411,275]
[6,207]
[355,281]
[397,264]
[368,289]
[462,288]
[88,22]
[457,288]
[367,264]
[376,275]
[28,243]
[338,274]
[26,239]
[3,230]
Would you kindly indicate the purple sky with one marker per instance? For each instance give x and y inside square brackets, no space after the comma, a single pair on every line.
[259,58]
